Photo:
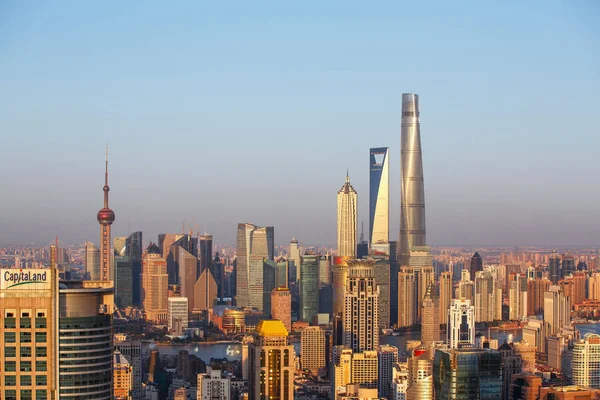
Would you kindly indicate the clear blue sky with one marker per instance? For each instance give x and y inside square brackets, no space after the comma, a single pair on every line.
[252,111]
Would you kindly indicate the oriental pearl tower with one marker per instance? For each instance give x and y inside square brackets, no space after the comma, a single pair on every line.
[106,217]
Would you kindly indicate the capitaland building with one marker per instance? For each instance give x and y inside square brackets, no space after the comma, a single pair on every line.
[55,337]
[28,336]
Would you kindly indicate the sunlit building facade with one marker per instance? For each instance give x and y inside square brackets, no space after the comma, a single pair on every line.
[379,194]
[346,220]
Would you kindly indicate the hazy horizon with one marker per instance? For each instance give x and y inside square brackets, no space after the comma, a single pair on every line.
[220,115]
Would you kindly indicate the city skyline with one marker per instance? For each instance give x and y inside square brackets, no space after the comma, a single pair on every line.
[482,189]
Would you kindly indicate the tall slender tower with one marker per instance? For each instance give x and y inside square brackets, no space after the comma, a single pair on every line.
[346,221]
[412,208]
[106,217]
[379,195]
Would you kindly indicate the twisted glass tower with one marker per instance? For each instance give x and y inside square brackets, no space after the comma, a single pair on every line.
[412,208]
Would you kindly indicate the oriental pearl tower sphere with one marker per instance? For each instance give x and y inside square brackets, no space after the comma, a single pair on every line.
[106,217]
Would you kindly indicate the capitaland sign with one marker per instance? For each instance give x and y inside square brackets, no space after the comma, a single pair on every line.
[25,279]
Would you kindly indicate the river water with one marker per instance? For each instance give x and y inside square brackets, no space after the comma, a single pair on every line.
[233,351]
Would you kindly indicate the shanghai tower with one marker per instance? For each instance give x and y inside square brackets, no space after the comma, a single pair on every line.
[412,202]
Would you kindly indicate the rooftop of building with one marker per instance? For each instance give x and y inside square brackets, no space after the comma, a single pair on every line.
[271,328]
[119,359]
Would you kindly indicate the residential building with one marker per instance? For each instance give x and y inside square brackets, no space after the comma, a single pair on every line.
[586,361]
[122,377]
[313,350]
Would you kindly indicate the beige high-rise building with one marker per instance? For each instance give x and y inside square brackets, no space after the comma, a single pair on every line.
[271,362]
[365,368]
[155,285]
[346,220]
[205,292]
[594,286]
[92,261]
[406,298]
[466,287]
[488,297]
[361,308]
[281,306]
[557,309]
[122,377]
[430,326]
[312,353]
[517,293]
[28,342]
[445,295]
[295,257]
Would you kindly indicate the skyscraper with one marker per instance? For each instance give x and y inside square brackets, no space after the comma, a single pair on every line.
[106,217]
[557,309]
[388,356]
[123,281]
[430,326]
[407,315]
[205,253]
[312,353]
[295,257]
[85,334]
[309,287]
[461,324]
[205,292]
[517,293]
[554,268]
[155,283]
[379,195]
[346,220]
[467,374]
[253,243]
[488,297]
[134,250]
[361,308]
[177,314]
[271,363]
[445,295]
[586,358]
[281,306]
[28,333]
[412,204]
[476,265]
[535,295]
[185,266]
[122,377]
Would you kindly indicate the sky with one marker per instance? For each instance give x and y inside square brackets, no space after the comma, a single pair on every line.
[223,112]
